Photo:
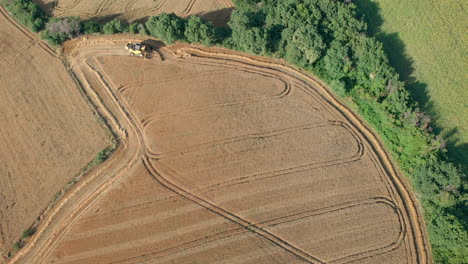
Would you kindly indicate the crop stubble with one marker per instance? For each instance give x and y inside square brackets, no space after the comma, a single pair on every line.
[217,11]
[234,159]
[48,132]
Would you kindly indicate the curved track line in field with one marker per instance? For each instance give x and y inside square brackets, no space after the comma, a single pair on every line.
[409,203]
[59,8]
[239,64]
[157,7]
[128,5]
[125,87]
[26,32]
[228,215]
[267,134]
[269,174]
[287,219]
[285,92]
[189,7]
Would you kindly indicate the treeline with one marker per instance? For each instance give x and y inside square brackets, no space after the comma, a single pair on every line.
[329,39]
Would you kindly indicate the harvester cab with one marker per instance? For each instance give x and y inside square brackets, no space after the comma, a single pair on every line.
[139,49]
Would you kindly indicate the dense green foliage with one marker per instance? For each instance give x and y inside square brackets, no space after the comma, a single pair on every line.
[113,27]
[329,39]
[169,28]
[199,30]
[90,27]
[27,13]
[166,27]
[28,232]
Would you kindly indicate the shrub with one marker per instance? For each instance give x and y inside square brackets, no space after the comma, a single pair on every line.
[166,27]
[113,27]
[200,31]
[28,232]
[103,155]
[17,246]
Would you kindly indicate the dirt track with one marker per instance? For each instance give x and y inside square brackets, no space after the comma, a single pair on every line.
[217,11]
[48,132]
[229,158]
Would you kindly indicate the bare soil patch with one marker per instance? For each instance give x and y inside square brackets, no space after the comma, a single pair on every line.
[48,131]
[228,158]
[217,11]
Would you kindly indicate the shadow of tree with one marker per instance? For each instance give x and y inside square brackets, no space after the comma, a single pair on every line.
[47,7]
[219,17]
[403,64]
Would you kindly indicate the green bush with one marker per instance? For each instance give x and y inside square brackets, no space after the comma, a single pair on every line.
[103,155]
[113,27]
[91,27]
[166,27]
[28,232]
[27,13]
[199,30]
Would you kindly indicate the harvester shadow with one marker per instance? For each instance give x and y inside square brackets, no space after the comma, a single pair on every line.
[155,46]
[219,17]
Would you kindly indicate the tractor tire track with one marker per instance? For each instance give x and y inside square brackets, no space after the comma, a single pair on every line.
[282,220]
[419,236]
[189,7]
[228,215]
[34,39]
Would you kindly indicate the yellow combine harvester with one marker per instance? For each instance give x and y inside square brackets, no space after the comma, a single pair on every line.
[139,49]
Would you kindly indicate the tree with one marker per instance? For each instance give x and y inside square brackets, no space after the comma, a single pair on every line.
[167,27]
[248,34]
[200,31]
[372,69]
[336,61]
[309,42]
